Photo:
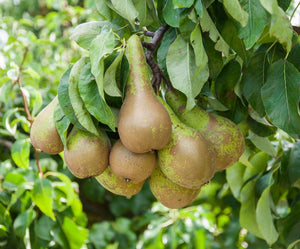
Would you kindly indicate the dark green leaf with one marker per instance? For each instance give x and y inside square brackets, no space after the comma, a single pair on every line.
[62,124]
[77,102]
[20,152]
[281,96]
[258,19]
[263,144]
[225,83]
[294,56]
[170,14]
[186,25]
[253,81]
[64,99]
[261,129]
[76,235]
[42,196]
[293,168]
[94,103]
[23,221]
[43,228]
[5,217]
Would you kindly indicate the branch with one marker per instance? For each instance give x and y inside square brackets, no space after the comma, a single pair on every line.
[151,46]
[27,111]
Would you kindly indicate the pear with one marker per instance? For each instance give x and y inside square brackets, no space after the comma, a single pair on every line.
[225,136]
[143,122]
[188,159]
[118,185]
[169,193]
[86,154]
[43,133]
[135,167]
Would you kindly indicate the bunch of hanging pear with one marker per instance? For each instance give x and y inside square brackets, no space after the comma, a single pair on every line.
[176,149]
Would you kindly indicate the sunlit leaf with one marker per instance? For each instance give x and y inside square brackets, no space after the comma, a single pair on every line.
[20,152]
[236,11]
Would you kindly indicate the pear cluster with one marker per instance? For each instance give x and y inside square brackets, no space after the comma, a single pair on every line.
[176,149]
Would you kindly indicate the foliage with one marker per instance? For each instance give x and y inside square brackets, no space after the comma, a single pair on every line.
[238,59]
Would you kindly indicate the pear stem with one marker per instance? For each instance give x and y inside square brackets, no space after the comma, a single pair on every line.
[151,47]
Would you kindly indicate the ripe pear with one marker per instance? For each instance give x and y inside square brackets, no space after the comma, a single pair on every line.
[225,136]
[86,154]
[143,122]
[118,185]
[188,159]
[169,193]
[43,133]
[135,167]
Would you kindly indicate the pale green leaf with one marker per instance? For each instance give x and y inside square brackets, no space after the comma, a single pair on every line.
[182,3]
[265,219]
[236,11]
[183,72]
[20,152]
[281,94]
[78,105]
[42,196]
[262,143]
[101,46]
[234,177]
[208,25]
[126,9]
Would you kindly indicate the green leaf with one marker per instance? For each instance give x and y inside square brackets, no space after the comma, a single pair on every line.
[170,14]
[144,14]
[62,124]
[263,144]
[23,221]
[13,74]
[103,9]
[76,235]
[183,72]
[234,177]
[254,78]
[199,8]
[126,9]
[101,46]
[20,153]
[199,50]
[281,96]
[110,85]
[35,99]
[85,33]
[42,196]
[264,218]
[5,217]
[259,164]
[94,103]
[182,3]
[281,27]
[236,11]
[64,99]
[208,25]
[186,25]
[78,104]
[258,19]
[43,228]
[248,209]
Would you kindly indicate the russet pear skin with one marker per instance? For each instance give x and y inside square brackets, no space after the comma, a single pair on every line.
[135,167]
[225,136]
[118,185]
[188,159]
[86,154]
[143,122]
[169,193]
[43,133]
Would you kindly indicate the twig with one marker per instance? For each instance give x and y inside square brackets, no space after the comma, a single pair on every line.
[151,46]
[6,143]
[27,111]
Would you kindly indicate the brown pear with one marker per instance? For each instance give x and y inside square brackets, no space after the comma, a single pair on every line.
[135,167]
[143,122]
[118,185]
[86,154]
[43,133]
[189,158]
[169,193]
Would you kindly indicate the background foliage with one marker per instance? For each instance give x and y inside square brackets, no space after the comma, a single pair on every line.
[245,59]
